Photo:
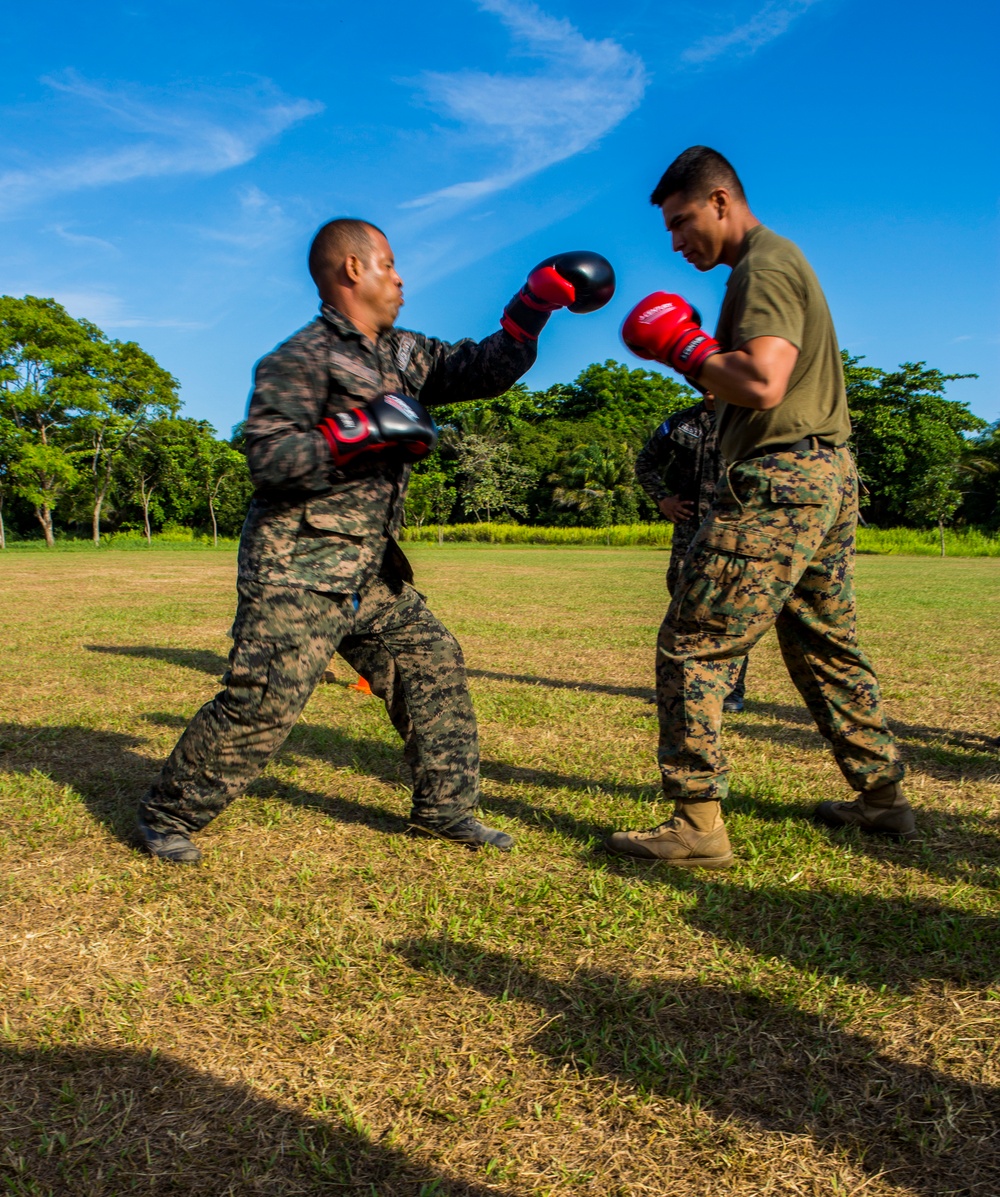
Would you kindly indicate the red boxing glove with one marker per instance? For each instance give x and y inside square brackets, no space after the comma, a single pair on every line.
[666,328]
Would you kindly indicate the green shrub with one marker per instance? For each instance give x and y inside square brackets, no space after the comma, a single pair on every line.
[621,535]
[926,542]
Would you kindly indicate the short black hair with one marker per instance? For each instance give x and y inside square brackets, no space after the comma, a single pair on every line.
[696,173]
[336,240]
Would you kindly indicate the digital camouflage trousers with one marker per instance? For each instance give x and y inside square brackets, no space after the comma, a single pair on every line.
[776,550]
[680,543]
[284,637]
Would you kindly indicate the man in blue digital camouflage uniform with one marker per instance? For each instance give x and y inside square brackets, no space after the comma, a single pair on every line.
[336,419]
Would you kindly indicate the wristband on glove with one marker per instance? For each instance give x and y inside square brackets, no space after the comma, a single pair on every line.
[580,280]
[666,328]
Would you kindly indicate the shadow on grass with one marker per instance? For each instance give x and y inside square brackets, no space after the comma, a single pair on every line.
[946,752]
[553,683]
[876,940]
[110,772]
[93,1122]
[921,736]
[749,1059]
[942,752]
[201,659]
[873,939]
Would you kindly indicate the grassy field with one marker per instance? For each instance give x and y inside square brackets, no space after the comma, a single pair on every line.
[327,1006]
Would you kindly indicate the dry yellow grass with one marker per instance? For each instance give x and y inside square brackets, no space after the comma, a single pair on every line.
[328,1006]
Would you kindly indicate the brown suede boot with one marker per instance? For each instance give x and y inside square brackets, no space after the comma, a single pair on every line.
[695,838]
[884,811]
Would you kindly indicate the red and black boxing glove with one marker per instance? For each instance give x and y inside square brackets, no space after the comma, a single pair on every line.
[580,280]
[666,328]
[392,424]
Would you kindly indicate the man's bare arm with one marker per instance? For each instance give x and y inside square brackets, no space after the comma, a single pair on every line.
[756,375]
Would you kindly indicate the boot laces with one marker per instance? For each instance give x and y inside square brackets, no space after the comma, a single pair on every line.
[659,829]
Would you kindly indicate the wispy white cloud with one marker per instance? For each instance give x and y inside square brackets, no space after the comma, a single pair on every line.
[81,239]
[158,135]
[107,310]
[259,222]
[764,26]
[582,91]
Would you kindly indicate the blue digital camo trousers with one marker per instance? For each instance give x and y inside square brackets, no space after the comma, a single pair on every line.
[777,550]
[283,639]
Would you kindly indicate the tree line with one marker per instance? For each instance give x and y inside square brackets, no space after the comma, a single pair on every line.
[92,440]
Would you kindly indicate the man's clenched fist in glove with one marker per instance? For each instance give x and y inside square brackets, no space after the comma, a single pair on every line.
[667,329]
[393,422]
[581,281]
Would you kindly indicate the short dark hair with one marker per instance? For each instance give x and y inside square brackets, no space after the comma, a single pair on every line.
[336,240]
[695,174]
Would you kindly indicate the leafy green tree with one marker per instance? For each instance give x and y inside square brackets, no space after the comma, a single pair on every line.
[129,390]
[42,384]
[152,471]
[430,498]
[9,452]
[42,474]
[908,439]
[628,402]
[599,483]
[218,469]
[981,497]
[490,479]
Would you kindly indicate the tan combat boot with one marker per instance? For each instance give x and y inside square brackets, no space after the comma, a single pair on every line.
[695,838]
[884,811]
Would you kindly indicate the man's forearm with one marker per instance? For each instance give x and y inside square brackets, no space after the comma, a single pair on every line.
[756,375]
[290,459]
[737,379]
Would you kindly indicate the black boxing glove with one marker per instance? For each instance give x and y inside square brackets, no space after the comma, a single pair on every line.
[580,280]
[394,423]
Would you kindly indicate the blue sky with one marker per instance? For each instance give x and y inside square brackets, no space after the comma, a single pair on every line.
[163,166]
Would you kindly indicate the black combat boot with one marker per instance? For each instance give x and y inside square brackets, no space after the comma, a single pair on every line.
[173,846]
[466,829]
[733,704]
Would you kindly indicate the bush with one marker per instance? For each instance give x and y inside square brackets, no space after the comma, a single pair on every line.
[926,542]
[622,535]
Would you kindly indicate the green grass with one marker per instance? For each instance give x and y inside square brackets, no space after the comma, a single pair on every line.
[327,1006]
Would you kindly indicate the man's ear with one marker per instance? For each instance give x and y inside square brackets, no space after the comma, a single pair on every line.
[721,201]
[354,268]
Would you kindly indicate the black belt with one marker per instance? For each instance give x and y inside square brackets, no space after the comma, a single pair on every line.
[807,444]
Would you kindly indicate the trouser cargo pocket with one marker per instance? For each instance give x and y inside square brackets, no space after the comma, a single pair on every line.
[734,576]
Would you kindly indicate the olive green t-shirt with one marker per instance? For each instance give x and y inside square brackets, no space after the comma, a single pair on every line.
[773,292]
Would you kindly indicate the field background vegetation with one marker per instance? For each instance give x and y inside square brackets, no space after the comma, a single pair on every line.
[328,1006]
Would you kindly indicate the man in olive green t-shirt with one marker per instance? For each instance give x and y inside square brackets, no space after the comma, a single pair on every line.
[777,548]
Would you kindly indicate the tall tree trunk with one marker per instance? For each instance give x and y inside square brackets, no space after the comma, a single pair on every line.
[215,526]
[45,519]
[98,504]
[146,497]
[95,523]
[941,533]
[3,534]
